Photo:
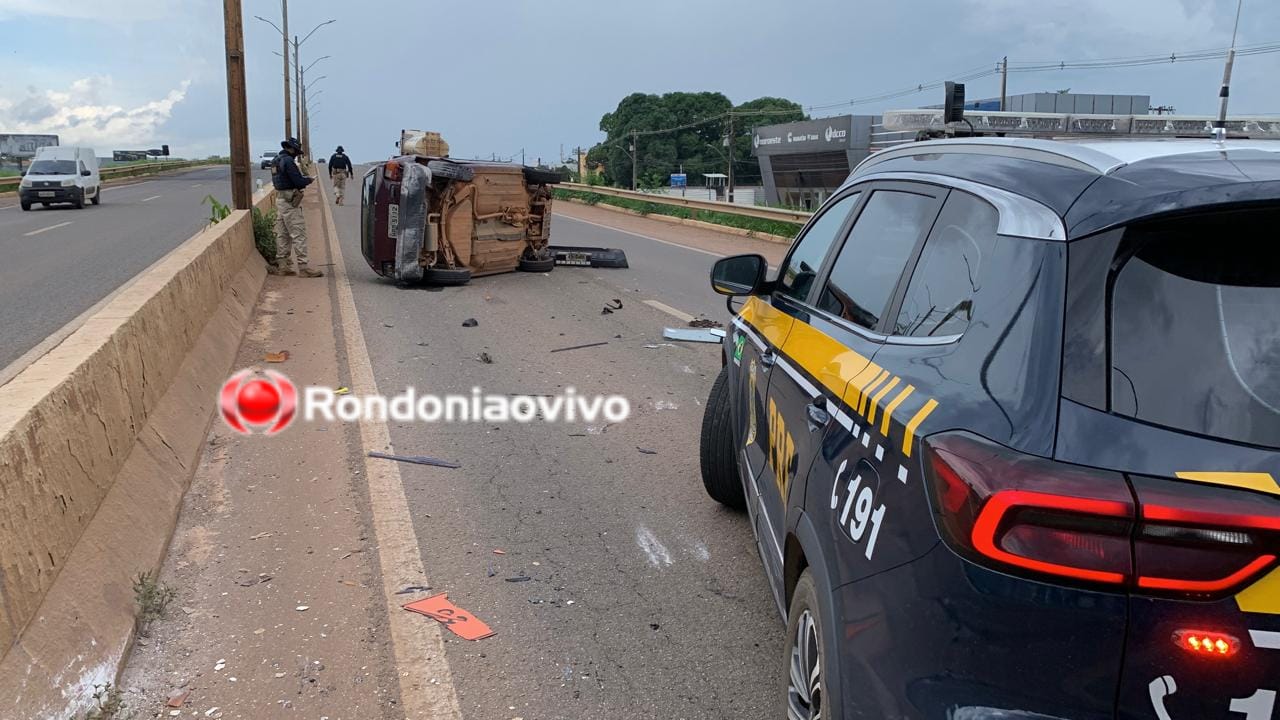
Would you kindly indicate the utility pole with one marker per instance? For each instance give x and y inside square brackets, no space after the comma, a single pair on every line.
[729,193]
[297,69]
[635,155]
[1220,125]
[284,52]
[237,106]
[1004,83]
[302,112]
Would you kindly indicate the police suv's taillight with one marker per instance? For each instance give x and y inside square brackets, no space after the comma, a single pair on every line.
[1028,515]
[1064,523]
[1199,539]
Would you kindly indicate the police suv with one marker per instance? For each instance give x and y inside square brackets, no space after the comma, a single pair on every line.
[1007,426]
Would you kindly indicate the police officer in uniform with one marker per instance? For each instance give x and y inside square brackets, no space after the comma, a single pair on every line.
[339,170]
[291,227]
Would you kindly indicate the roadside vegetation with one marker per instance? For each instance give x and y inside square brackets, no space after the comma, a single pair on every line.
[643,207]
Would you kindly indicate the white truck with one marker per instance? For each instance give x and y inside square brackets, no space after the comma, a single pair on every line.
[61,174]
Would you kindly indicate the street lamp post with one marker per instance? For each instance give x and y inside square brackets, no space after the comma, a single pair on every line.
[297,66]
[284,46]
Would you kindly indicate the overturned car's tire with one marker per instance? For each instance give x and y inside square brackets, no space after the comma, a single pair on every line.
[446,276]
[716,449]
[537,266]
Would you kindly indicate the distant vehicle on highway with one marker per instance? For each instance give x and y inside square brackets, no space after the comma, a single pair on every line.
[268,159]
[61,174]
[1006,426]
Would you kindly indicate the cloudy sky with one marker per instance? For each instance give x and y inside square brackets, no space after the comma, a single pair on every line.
[496,76]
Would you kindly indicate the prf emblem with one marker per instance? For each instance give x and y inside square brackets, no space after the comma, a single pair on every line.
[738,343]
[782,449]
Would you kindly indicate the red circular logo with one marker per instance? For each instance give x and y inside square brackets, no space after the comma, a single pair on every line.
[251,401]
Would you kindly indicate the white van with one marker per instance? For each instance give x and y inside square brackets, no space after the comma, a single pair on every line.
[61,174]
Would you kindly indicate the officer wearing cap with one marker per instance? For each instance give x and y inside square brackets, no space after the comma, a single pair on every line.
[339,170]
[291,226]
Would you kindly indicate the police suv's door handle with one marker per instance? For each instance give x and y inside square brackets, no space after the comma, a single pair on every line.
[768,358]
[817,411]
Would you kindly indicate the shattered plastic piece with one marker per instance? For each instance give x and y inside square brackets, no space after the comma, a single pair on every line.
[470,322]
[177,698]
[342,391]
[486,358]
[413,589]
[277,357]
[519,578]
[416,459]
[689,335]
[580,347]
[303,608]
[499,552]
[646,451]
[705,323]
[616,304]
[659,345]
[459,622]
[606,311]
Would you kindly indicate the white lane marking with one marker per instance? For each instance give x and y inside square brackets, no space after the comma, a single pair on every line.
[8,207]
[902,474]
[153,197]
[1265,639]
[673,312]
[198,185]
[652,547]
[643,237]
[426,681]
[51,227]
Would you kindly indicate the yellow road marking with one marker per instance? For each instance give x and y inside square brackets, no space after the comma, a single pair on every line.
[893,405]
[1262,482]
[914,423]
[875,401]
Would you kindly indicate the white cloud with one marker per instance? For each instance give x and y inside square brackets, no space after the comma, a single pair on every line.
[82,115]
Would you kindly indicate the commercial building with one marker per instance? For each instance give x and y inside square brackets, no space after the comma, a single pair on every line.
[802,163]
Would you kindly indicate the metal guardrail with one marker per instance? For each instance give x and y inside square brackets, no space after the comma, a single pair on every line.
[115,172]
[755,211]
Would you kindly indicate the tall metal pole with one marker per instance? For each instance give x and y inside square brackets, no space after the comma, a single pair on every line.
[306,121]
[1004,83]
[729,193]
[284,44]
[1220,126]
[635,158]
[297,69]
[237,106]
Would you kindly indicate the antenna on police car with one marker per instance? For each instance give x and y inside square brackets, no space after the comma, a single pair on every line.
[1220,125]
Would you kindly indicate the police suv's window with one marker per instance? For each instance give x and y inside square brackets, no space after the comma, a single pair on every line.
[872,259]
[939,298]
[802,267]
[1195,317]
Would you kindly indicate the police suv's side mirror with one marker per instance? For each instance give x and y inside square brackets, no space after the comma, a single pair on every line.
[739,275]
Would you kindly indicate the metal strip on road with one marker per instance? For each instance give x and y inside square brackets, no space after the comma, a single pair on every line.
[47,229]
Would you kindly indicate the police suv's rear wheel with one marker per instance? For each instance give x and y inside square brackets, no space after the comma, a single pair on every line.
[716,448]
[806,683]
[446,276]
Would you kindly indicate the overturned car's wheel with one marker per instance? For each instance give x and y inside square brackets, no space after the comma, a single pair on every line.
[719,461]
[446,276]
[537,266]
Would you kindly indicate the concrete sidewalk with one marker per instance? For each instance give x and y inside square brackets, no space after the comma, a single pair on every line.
[279,611]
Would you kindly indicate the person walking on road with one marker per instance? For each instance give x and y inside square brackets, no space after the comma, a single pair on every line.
[291,226]
[340,169]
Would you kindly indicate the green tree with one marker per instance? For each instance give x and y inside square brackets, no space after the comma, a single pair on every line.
[682,129]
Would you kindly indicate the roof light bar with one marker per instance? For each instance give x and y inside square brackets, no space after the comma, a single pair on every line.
[1059,124]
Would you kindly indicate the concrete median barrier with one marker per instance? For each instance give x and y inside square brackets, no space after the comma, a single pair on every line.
[98,440]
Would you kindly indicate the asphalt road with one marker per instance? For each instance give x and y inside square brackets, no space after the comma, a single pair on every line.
[57,262]
[622,591]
